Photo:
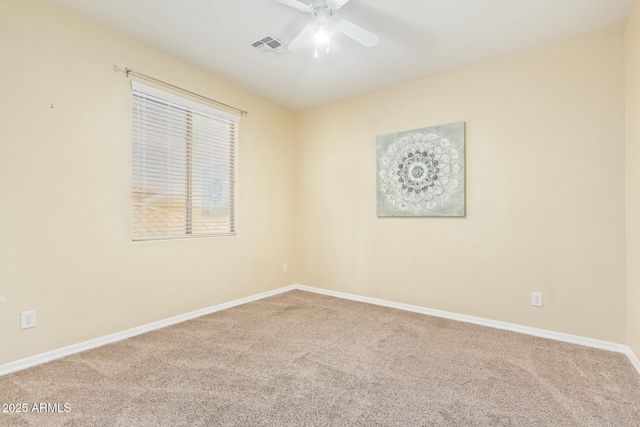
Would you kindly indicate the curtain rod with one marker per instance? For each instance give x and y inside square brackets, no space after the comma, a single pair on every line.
[129,72]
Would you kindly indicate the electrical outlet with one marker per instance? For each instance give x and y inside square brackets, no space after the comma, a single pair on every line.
[28,319]
[285,267]
[536,299]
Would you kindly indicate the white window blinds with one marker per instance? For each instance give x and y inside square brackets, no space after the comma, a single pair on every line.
[183,167]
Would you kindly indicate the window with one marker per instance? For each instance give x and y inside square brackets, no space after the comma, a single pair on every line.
[183,167]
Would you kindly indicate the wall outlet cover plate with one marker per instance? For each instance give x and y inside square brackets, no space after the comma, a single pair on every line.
[28,319]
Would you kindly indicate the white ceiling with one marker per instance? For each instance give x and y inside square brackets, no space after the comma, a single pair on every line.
[417,38]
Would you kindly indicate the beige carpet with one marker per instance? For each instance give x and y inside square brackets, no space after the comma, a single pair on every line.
[301,359]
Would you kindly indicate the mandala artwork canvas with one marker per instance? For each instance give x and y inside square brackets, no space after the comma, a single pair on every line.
[422,172]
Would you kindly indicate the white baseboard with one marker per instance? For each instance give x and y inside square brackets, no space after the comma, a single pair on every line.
[543,333]
[633,358]
[119,336]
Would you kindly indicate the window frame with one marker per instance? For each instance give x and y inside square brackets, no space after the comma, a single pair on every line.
[191,107]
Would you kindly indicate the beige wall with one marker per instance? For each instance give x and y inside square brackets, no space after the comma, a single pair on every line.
[545,195]
[633,181]
[65,178]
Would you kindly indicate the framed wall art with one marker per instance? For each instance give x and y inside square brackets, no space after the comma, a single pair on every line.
[422,172]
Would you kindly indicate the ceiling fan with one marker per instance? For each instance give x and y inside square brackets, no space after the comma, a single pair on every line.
[318,31]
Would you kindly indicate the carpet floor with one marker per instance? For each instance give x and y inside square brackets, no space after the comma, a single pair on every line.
[302,359]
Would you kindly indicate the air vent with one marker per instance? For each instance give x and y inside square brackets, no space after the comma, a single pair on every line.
[269,46]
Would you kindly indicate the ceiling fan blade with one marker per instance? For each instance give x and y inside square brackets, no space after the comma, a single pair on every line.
[304,7]
[356,32]
[304,37]
[336,4]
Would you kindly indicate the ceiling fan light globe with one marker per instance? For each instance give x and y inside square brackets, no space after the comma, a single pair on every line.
[321,36]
